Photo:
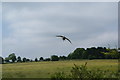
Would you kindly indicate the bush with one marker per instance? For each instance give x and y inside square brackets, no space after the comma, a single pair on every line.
[59,76]
[82,72]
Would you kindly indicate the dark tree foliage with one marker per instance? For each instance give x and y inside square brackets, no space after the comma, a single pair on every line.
[7,60]
[41,59]
[112,54]
[31,60]
[28,60]
[94,53]
[47,59]
[36,60]
[1,60]
[12,57]
[24,59]
[54,58]
[79,53]
[62,58]
[19,59]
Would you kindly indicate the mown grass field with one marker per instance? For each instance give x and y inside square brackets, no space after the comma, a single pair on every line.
[47,68]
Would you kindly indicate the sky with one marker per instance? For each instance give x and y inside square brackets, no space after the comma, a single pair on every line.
[0,29]
[29,29]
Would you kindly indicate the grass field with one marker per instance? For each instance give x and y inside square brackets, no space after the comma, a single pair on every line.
[46,69]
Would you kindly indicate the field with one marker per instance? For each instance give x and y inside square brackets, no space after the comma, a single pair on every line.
[47,68]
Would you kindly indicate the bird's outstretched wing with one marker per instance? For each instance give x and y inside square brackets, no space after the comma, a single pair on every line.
[68,40]
[63,37]
[59,36]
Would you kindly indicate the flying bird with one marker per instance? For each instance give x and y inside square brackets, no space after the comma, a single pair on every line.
[64,38]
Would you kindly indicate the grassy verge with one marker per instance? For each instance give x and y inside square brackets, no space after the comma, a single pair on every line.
[46,69]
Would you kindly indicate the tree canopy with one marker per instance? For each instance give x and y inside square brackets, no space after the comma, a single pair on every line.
[78,53]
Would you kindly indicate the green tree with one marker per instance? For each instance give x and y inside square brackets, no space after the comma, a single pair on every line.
[7,60]
[24,59]
[27,60]
[89,53]
[92,53]
[111,54]
[41,59]
[47,59]
[19,59]
[54,58]
[12,57]
[31,60]
[62,57]
[79,53]
[69,56]
[36,60]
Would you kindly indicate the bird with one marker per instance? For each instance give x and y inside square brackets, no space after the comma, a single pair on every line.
[64,38]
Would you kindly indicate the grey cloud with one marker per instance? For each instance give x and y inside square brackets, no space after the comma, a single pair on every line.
[35,25]
[0,28]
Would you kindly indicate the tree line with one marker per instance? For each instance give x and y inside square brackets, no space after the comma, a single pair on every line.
[78,53]
[12,58]
[94,53]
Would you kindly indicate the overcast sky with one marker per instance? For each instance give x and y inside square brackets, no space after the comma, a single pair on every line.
[0,29]
[29,29]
